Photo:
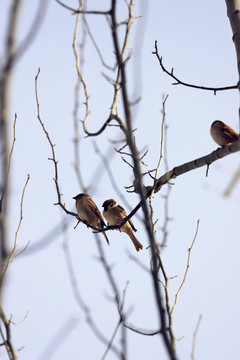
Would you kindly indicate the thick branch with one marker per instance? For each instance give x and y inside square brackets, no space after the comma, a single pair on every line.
[5,79]
[197,163]
[138,177]
[233,12]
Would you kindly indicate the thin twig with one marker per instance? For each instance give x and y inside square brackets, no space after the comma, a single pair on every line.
[111,340]
[167,195]
[195,337]
[53,158]
[21,321]
[142,332]
[12,254]
[76,11]
[118,84]
[179,82]
[96,46]
[105,161]
[5,78]
[118,324]
[187,268]
[9,162]
[12,353]
[161,266]
[79,71]
[119,301]
[161,142]
[76,139]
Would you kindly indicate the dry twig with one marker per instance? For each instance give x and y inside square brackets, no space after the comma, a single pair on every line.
[9,162]
[195,337]
[180,82]
[7,339]
[187,268]
[12,256]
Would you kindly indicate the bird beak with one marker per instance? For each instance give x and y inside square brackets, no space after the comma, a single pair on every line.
[74,197]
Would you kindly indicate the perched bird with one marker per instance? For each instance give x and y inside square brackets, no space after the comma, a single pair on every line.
[222,134]
[88,212]
[114,214]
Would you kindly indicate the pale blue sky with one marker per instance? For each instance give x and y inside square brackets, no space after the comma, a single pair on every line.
[195,39]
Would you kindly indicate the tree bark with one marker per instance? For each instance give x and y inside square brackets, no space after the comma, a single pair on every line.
[233,12]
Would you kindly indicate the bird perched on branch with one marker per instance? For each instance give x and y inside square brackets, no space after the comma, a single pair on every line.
[114,214]
[223,134]
[88,212]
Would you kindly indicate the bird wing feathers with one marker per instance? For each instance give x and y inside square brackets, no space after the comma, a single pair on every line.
[120,215]
[95,210]
[229,132]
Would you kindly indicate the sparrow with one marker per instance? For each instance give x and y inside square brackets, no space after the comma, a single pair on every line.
[222,134]
[114,214]
[88,212]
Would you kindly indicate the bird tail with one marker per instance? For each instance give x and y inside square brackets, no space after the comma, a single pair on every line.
[136,243]
[105,235]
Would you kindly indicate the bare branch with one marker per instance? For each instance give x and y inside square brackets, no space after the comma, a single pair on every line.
[121,319]
[138,178]
[195,337]
[119,301]
[105,161]
[76,139]
[177,171]
[9,162]
[5,78]
[12,353]
[59,195]
[142,332]
[179,82]
[111,340]
[167,195]
[187,268]
[77,11]
[21,321]
[96,46]
[197,163]
[118,85]
[12,254]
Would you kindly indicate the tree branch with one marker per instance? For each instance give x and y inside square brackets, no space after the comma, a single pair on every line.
[197,163]
[77,11]
[187,268]
[180,82]
[12,353]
